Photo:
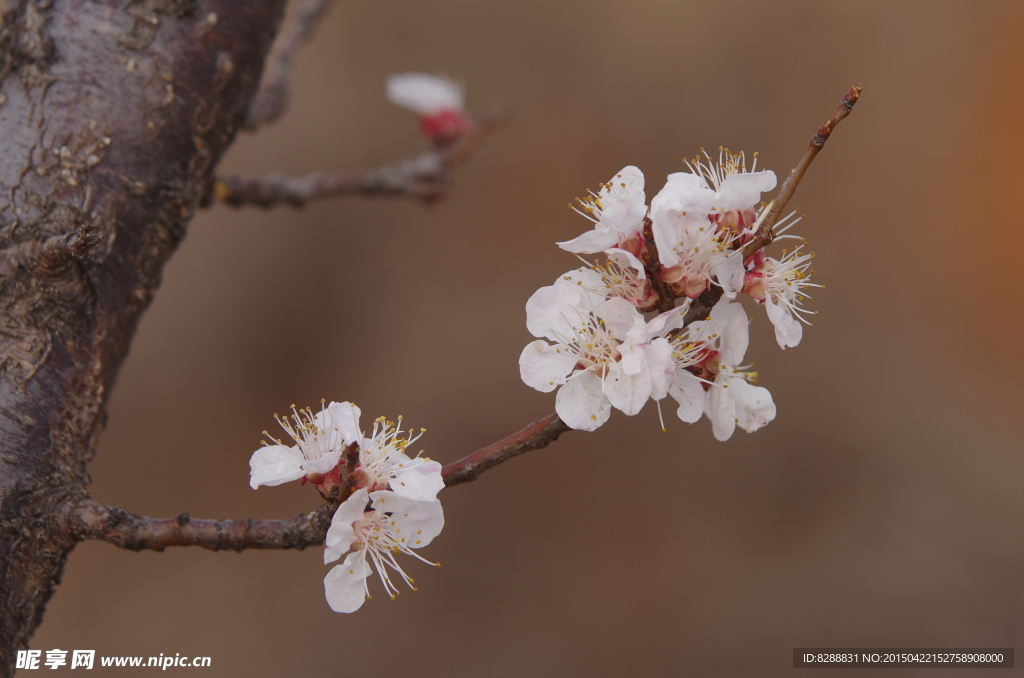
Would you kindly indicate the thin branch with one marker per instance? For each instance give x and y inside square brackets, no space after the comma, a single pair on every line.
[88,520]
[764,234]
[272,96]
[424,177]
[536,435]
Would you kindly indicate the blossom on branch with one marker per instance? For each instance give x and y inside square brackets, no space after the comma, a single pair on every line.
[618,212]
[316,451]
[708,356]
[780,285]
[378,462]
[383,463]
[700,217]
[599,349]
[393,524]
[436,99]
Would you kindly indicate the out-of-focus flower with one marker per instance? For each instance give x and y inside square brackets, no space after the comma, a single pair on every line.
[393,524]
[436,99]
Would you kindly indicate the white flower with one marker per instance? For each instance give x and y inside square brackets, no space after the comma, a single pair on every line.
[425,94]
[316,450]
[604,354]
[691,201]
[383,463]
[598,354]
[780,285]
[621,275]
[617,210]
[730,400]
[394,524]
[706,255]
[698,368]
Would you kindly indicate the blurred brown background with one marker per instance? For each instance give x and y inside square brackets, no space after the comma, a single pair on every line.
[884,506]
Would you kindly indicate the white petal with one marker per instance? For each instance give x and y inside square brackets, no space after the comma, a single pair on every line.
[423,93]
[581,404]
[681,205]
[688,391]
[345,584]
[273,465]
[545,367]
[729,321]
[665,322]
[626,260]
[634,360]
[417,522]
[627,392]
[553,310]
[624,204]
[591,242]
[720,408]
[788,330]
[345,417]
[729,271]
[742,191]
[324,464]
[619,315]
[754,405]
[668,234]
[340,534]
[588,284]
[414,483]
[661,367]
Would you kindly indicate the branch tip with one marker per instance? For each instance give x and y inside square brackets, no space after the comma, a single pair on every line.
[765,234]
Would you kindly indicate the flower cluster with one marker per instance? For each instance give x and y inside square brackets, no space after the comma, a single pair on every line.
[390,499]
[616,333]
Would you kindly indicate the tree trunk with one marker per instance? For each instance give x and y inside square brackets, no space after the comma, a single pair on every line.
[113,114]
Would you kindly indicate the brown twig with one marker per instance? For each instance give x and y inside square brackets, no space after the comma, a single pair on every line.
[536,435]
[272,96]
[423,177]
[88,520]
[764,234]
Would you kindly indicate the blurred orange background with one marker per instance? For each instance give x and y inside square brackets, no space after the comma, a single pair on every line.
[883,507]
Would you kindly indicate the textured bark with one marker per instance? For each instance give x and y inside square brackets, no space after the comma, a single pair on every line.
[113,114]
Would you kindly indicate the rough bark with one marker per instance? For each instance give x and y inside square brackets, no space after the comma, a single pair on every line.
[113,114]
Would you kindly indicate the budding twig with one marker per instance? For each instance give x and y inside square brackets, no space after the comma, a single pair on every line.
[272,96]
[88,520]
[764,234]
[424,177]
